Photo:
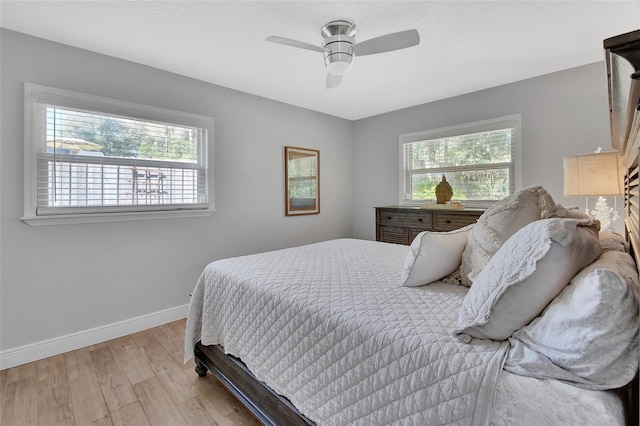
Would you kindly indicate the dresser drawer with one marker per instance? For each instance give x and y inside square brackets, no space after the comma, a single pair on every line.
[406,219]
[394,235]
[449,222]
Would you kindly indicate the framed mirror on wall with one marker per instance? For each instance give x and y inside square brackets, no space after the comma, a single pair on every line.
[302,181]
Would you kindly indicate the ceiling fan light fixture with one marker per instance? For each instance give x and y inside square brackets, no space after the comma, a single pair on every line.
[339,67]
[339,54]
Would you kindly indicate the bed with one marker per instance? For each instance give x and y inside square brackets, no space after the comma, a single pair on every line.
[361,332]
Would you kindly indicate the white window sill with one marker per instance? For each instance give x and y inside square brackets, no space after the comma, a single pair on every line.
[73,219]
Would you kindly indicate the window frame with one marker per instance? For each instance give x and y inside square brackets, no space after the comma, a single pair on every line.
[513,121]
[35,94]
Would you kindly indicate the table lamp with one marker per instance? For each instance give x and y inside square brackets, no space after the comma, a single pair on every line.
[595,175]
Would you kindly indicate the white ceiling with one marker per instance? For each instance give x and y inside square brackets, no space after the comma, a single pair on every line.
[465,45]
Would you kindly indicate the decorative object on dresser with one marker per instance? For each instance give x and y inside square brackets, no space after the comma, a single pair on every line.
[443,191]
[401,224]
[595,175]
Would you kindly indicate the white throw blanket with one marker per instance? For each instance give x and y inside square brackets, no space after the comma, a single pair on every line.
[328,326]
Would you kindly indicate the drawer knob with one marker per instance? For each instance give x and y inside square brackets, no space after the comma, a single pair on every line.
[447,221]
[419,219]
[388,217]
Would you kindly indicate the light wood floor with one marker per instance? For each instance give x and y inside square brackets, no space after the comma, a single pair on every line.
[134,380]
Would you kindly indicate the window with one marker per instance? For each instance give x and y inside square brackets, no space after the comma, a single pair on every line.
[97,158]
[480,160]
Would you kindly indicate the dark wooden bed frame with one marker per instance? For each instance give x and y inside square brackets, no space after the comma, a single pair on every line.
[272,409]
[268,407]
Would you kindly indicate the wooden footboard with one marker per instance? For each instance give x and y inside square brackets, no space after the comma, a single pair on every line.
[268,407]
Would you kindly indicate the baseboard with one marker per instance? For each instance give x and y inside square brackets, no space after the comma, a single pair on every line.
[70,342]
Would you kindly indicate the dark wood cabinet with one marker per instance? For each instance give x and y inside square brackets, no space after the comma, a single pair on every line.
[401,224]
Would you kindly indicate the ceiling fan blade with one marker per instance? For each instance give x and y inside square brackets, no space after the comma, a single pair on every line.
[333,80]
[387,43]
[295,43]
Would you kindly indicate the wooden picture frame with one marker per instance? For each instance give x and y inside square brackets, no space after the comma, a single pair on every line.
[302,181]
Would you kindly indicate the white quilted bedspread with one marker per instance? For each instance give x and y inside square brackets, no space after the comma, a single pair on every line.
[328,326]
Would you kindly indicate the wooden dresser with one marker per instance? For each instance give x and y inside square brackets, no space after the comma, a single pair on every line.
[400,224]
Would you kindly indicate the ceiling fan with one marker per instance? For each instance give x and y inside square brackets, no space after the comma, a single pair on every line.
[339,46]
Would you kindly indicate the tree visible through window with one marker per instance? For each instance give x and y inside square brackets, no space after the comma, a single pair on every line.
[123,137]
[479,165]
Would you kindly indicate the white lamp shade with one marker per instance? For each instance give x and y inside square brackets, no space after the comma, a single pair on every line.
[593,175]
[339,67]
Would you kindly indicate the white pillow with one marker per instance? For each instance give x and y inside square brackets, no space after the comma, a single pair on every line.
[526,273]
[498,224]
[433,255]
[588,335]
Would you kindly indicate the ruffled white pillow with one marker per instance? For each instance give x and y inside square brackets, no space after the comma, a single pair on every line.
[588,335]
[433,255]
[498,224]
[524,275]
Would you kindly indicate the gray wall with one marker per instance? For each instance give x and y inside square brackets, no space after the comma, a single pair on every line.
[57,280]
[564,113]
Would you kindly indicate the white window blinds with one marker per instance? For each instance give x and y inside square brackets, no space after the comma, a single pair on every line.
[95,155]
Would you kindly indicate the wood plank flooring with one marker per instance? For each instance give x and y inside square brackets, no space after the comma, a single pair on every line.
[135,380]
